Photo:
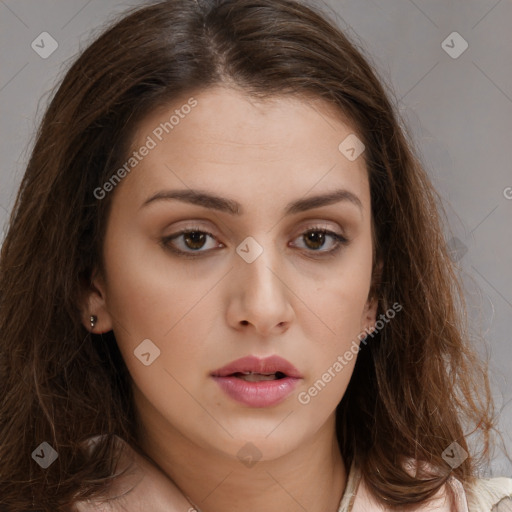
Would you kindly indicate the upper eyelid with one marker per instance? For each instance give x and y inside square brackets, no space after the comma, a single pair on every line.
[305,225]
[210,232]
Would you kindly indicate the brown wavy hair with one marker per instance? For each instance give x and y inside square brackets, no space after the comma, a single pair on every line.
[417,386]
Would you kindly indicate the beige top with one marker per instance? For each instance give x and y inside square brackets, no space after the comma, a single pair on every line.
[486,495]
[146,487]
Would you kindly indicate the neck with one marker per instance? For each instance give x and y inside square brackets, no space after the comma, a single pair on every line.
[311,477]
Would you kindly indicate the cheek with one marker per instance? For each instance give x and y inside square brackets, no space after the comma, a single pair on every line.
[339,298]
[173,311]
[148,296]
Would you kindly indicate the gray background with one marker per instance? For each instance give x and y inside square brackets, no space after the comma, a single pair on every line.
[458,110]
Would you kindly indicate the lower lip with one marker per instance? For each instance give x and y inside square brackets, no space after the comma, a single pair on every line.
[257,394]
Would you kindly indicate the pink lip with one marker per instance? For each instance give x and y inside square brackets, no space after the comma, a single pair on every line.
[258,394]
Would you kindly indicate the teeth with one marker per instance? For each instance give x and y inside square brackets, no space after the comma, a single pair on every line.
[256,377]
[255,373]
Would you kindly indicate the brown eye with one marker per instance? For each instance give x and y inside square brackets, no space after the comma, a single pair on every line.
[194,239]
[192,242]
[315,239]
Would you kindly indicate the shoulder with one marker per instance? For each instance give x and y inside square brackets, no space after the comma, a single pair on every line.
[481,495]
[490,495]
[141,486]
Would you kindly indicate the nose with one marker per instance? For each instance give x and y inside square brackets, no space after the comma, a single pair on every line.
[260,295]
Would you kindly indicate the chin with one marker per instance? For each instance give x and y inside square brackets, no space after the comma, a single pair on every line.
[261,445]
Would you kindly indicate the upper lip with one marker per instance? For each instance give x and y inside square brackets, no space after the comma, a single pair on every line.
[272,364]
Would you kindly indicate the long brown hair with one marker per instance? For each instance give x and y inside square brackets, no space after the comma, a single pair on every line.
[415,384]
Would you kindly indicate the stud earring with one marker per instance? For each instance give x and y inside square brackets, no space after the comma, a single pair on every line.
[93,320]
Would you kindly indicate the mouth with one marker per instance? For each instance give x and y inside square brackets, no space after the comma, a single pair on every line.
[258,382]
[251,368]
[258,377]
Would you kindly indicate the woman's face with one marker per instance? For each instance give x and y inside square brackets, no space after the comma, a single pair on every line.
[264,282]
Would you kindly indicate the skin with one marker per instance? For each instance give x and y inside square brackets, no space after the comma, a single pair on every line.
[205,312]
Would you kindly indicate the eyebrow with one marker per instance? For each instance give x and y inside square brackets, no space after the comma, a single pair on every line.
[223,204]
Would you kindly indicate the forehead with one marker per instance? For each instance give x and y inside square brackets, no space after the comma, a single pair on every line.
[224,140]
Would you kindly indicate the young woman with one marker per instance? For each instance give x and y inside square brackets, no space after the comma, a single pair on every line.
[225,287]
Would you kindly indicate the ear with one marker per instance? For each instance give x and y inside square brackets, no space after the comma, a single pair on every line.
[94,304]
[369,316]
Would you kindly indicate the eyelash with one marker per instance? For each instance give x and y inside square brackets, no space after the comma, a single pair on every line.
[340,241]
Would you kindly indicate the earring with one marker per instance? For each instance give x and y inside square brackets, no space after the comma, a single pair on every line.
[93,320]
